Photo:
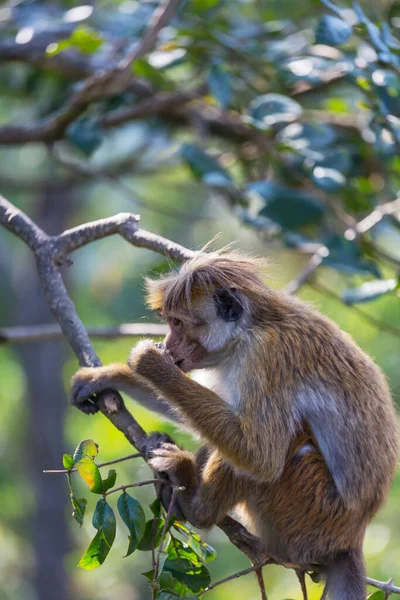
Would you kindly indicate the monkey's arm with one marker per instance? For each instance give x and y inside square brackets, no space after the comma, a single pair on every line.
[255,443]
[118,376]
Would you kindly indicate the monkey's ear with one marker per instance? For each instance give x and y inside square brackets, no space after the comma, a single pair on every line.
[228,305]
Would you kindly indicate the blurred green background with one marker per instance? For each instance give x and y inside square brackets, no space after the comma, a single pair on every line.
[311,163]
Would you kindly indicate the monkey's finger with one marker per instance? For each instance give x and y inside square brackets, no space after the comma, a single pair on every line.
[153,442]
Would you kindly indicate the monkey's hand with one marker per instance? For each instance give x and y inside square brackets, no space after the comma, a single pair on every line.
[177,466]
[85,384]
[151,362]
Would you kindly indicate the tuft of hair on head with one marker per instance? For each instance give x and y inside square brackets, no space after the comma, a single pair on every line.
[205,273]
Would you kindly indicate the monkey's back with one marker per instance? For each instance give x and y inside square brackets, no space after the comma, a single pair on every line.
[342,459]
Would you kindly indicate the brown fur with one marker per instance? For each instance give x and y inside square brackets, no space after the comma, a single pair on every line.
[309,447]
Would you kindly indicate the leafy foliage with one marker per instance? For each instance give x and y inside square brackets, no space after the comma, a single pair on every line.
[182,556]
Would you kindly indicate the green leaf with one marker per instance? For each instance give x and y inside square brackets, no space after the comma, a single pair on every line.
[78,508]
[204,551]
[332,31]
[133,516]
[68,461]
[201,163]
[86,448]
[371,290]
[201,6]
[86,467]
[142,68]
[346,256]
[269,109]
[155,507]
[378,595]
[290,207]
[104,522]
[109,482]
[196,577]
[86,134]
[83,38]
[146,542]
[327,179]
[219,82]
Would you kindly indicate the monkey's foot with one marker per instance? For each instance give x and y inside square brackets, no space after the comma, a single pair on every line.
[173,464]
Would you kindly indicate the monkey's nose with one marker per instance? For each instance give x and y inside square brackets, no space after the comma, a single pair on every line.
[179,363]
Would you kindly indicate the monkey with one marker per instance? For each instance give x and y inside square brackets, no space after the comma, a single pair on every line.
[300,428]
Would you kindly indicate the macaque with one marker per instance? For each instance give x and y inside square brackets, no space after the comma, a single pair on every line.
[300,428]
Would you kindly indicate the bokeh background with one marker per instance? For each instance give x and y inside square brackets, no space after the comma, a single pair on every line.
[281,176]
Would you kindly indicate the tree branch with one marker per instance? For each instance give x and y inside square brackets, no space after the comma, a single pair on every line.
[52,331]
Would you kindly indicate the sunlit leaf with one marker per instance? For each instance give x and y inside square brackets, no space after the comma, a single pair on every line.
[332,31]
[371,290]
[104,522]
[134,518]
[269,109]
[86,467]
[204,551]
[83,38]
[327,179]
[68,461]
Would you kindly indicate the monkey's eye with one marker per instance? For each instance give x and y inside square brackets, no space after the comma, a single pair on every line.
[176,322]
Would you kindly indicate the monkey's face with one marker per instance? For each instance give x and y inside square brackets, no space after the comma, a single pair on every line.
[202,335]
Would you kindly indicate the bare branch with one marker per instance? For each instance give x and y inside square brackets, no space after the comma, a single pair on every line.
[16,221]
[52,331]
[305,275]
[373,218]
[385,587]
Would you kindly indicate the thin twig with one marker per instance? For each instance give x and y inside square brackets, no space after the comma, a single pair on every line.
[122,488]
[105,464]
[309,270]
[235,576]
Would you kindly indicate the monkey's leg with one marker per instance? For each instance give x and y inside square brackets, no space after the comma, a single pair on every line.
[211,490]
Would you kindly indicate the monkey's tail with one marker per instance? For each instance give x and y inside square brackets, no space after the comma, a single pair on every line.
[345,577]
